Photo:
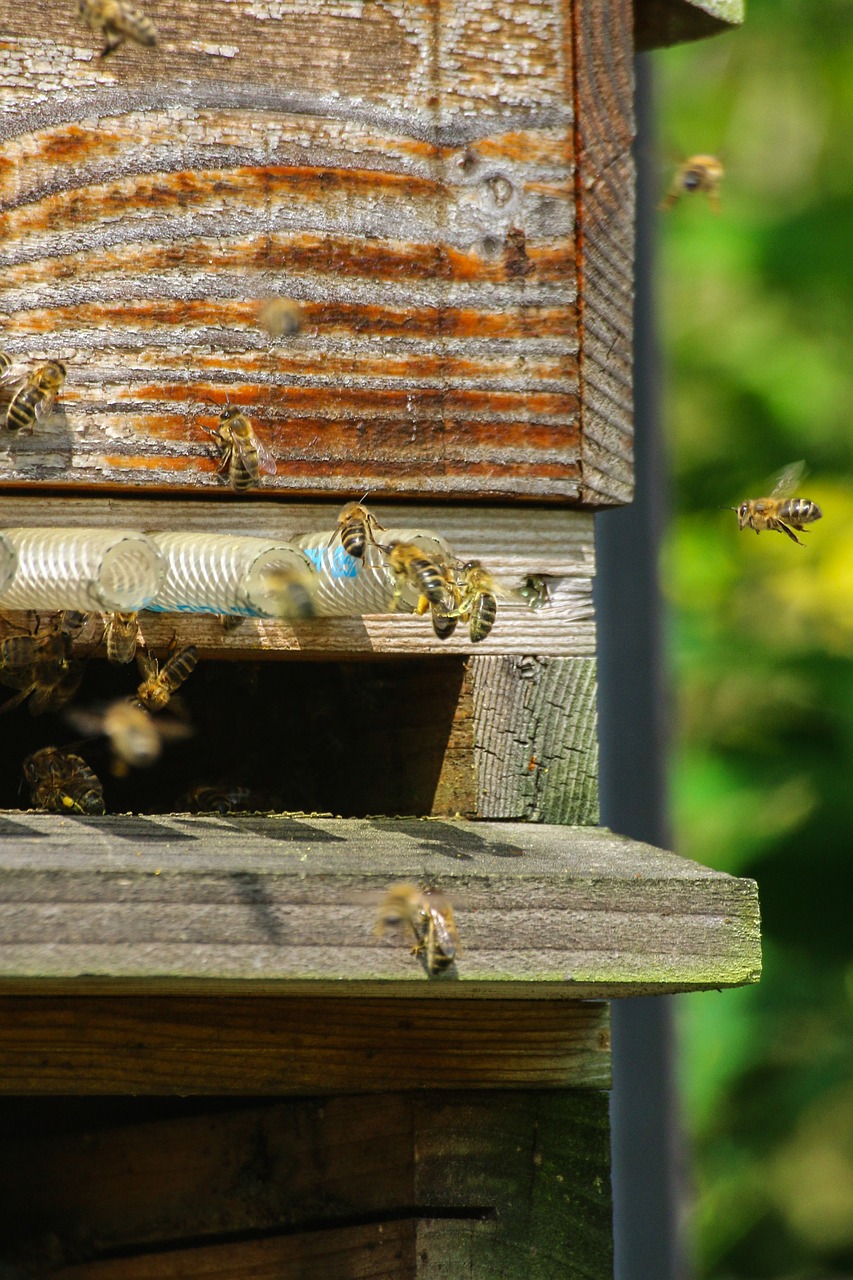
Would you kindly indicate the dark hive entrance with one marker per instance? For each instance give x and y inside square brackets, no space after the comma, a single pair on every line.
[350,739]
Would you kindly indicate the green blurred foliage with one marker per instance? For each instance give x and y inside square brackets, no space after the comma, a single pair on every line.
[757,312]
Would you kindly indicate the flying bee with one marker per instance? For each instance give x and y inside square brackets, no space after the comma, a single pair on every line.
[35,397]
[120,637]
[159,683]
[61,782]
[479,606]
[412,567]
[356,527]
[780,511]
[136,738]
[242,452]
[117,21]
[288,592]
[428,916]
[697,173]
[281,317]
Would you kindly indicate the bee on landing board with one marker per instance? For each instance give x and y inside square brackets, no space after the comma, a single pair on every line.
[428,916]
[697,173]
[117,21]
[780,511]
[159,683]
[356,528]
[243,455]
[35,397]
[61,782]
[120,637]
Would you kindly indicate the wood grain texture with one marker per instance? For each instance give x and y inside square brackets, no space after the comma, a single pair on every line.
[666,22]
[489,1186]
[605,246]
[288,904]
[535,739]
[404,170]
[270,1045]
[512,543]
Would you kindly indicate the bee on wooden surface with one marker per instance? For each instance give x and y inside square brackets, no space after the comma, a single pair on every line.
[697,173]
[412,567]
[41,668]
[34,399]
[356,528]
[780,511]
[61,782]
[428,916]
[135,737]
[479,606]
[281,317]
[218,799]
[159,683]
[243,455]
[117,21]
[120,637]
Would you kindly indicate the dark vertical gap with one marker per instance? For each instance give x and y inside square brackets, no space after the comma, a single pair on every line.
[633,732]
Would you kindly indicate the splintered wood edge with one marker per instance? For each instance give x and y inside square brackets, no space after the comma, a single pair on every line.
[289,903]
[511,543]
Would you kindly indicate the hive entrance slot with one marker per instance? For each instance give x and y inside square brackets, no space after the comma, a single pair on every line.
[351,739]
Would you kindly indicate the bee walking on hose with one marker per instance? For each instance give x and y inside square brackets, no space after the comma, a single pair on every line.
[243,456]
[356,528]
[780,511]
[35,397]
[698,173]
[117,21]
[412,567]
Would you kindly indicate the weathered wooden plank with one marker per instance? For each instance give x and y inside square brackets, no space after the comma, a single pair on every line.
[287,902]
[605,246]
[270,1045]
[485,1185]
[664,22]
[406,171]
[512,543]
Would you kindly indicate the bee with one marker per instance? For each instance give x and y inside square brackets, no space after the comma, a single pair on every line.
[412,567]
[120,637]
[698,173]
[428,916]
[61,782]
[288,592]
[445,615]
[356,527]
[135,737]
[72,621]
[117,21]
[242,453]
[281,317]
[42,669]
[231,621]
[780,511]
[34,399]
[159,683]
[6,368]
[217,799]
[479,605]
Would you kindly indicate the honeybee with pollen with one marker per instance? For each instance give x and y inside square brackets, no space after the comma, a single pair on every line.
[697,173]
[159,683]
[428,916]
[35,397]
[413,567]
[61,782]
[780,511]
[117,21]
[243,455]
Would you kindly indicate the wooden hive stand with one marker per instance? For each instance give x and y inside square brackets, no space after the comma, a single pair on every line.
[210,1065]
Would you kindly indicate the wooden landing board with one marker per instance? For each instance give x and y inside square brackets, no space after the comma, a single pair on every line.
[407,172]
[287,904]
[511,543]
[404,1187]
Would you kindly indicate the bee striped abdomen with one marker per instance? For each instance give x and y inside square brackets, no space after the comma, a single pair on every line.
[482,619]
[799,511]
[21,413]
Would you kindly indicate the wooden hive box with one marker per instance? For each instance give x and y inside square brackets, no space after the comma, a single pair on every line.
[446,188]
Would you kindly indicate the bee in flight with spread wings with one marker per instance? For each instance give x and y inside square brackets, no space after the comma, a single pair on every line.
[780,511]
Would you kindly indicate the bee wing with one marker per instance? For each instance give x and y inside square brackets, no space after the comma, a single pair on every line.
[85,720]
[787,480]
[147,665]
[44,408]
[266,462]
[445,933]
